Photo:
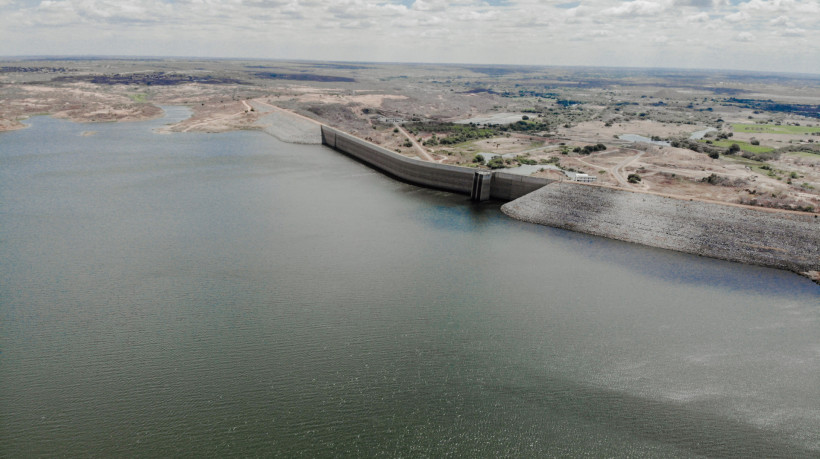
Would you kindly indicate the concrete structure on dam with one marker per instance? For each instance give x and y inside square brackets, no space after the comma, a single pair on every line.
[785,240]
[480,185]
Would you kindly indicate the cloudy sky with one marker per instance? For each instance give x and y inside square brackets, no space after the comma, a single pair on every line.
[769,35]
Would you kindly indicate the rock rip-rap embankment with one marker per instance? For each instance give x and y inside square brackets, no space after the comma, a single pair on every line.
[785,240]
[290,127]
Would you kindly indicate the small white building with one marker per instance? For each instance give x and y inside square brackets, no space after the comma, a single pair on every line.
[579,177]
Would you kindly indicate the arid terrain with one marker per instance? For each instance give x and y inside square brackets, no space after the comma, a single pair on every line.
[762,147]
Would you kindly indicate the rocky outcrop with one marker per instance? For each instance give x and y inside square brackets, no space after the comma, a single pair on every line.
[785,240]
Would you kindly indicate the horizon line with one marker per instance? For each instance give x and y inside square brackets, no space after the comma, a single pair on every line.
[211,58]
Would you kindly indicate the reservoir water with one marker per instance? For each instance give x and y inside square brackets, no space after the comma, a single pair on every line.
[642,139]
[232,295]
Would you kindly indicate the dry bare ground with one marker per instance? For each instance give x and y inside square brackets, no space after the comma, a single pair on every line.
[376,98]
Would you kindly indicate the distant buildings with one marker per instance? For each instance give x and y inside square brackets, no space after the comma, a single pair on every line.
[389,120]
[579,177]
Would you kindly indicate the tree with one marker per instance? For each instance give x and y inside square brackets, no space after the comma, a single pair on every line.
[734,149]
[633,178]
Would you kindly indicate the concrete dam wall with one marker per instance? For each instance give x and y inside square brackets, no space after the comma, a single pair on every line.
[785,240]
[781,240]
[480,185]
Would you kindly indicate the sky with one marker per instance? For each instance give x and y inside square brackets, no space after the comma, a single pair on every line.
[764,35]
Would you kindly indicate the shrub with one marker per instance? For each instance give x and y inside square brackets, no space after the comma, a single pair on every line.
[633,178]
[496,162]
[479,159]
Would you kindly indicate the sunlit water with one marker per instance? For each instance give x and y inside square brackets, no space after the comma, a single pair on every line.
[228,294]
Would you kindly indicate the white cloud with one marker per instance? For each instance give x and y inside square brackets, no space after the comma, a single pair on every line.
[430,5]
[637,8]
[703,4]
[699,17]
[780,21]
[793,32]
[588,32]
[737,17]
[745,37]
[781,6]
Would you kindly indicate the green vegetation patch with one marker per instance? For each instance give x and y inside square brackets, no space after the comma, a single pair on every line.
[526,125]
[453,134]
[745,146]
[774,129]
[139,98]
[803,154]
[744,161]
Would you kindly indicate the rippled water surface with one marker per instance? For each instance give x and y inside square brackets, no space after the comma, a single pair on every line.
[228,294]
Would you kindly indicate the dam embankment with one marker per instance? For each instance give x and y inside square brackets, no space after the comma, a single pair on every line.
[782,240]
[480,185]
[286,126]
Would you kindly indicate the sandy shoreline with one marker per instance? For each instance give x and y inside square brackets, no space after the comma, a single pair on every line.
[255,114]
[8,125]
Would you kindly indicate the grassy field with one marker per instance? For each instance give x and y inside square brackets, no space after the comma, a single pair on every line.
[772,129]
[745,146]
[139,98]
[803,154]
[756,166]
[741,160]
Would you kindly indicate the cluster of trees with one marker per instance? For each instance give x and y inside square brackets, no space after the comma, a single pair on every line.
[694,145]
[719,180]
[497,162]
[526,125]
[452,133]
[455,133]
[525,160]
[589,149]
